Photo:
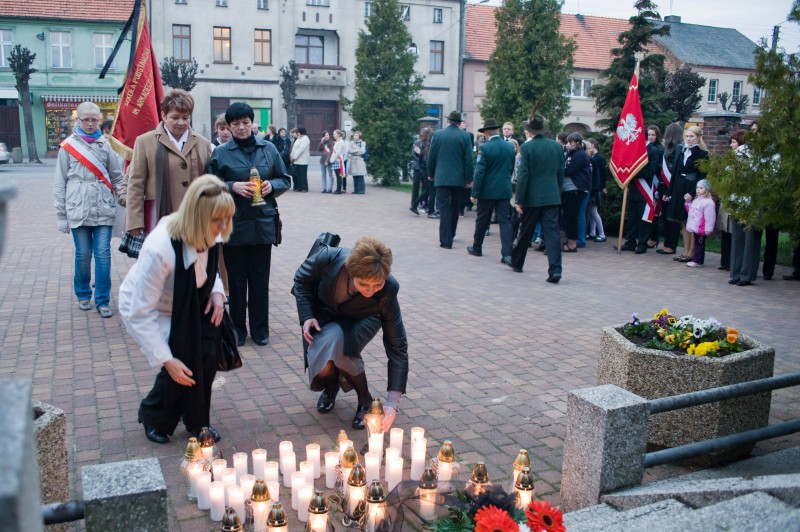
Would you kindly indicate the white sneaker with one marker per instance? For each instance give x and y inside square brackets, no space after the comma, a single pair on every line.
[693,264]
[537,241]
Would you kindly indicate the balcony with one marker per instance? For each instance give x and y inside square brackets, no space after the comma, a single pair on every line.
[323,76]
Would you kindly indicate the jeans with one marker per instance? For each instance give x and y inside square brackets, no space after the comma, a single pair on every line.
[92,240]
[327,177]
[582,220]
[359,186]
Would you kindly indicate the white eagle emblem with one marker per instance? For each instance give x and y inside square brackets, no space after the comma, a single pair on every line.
[628,129]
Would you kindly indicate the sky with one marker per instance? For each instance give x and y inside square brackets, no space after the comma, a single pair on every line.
[754,19]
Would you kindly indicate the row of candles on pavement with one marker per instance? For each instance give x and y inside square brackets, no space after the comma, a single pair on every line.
[234,496]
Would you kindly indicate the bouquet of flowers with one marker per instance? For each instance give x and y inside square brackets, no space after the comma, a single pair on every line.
[494,510]
[687,334]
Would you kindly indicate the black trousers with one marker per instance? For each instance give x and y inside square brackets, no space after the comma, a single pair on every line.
[431,205]
[637,231]
[248,281]
[503,209]
[448,200]
[725,250]
[164,406]
[770,251]
[572,204]
[419,184]
[671,232]
[551,236]
[300,175]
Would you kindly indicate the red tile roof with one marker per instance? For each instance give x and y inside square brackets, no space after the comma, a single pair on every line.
[89,10]
[595,36]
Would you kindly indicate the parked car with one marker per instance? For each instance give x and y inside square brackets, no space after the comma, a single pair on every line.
[5,156]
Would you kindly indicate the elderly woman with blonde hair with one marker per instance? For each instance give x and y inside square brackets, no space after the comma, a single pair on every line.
[172,303]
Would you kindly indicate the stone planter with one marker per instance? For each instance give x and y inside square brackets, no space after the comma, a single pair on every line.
[50,430]
[651,374]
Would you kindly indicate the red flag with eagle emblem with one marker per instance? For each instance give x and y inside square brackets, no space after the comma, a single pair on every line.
[629,152]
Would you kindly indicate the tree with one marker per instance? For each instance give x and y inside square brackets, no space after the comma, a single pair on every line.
[386,104]
[289,76]
[20,61]
[610,97]
[531,59]
[683,92]
[737,105]
[763,189]
[179,74]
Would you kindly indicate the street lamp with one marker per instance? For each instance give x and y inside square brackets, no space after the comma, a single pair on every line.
[462,30]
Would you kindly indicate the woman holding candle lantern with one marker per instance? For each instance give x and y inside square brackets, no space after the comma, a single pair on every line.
[252,169]
[172,303]
[344,296]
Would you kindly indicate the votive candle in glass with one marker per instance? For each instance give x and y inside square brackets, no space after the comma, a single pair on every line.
[247,483]
[313,456]
[193,470]
[203,490]
[343,446]
[271,472]
[304,499]
[283,448]
[307,469]
[419,449]
[288,467]
[259,459]
[331,461]
[236,501]
[392,453]
[376,445]
[218,467]
[274,488]
[373,466]
[396,438]
[394,472]
[298,481]
[229,479]
[240,465]
[417,433]
[217,497]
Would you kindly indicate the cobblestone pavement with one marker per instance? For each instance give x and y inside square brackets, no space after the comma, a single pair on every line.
[493,353]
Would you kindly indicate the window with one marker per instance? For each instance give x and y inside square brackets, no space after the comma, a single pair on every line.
[369,7]
[263,44]
[263,4]
[713,87]
[405,13]
[180,1]
[756,96]
[737,90]
[6,43]
[579,88]
[181,42]
[437,15]
[437,57]
[308,50]
[222,45]
[103,44]
[61,49]
[325,3]
[222,3]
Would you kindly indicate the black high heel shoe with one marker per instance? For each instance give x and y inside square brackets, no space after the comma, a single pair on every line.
[326,402]
[358,421]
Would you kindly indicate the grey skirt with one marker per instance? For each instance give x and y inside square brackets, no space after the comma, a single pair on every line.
[329,346]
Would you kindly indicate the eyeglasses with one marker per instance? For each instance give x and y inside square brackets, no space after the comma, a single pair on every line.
[214,191]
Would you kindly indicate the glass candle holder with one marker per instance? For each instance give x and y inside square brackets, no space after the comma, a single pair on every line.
[313,456]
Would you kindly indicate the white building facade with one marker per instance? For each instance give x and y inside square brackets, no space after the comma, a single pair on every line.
[240,46]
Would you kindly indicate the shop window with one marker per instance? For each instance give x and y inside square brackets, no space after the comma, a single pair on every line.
[103,45]
[182,42]
[222,45]
[60,49]
[263,47]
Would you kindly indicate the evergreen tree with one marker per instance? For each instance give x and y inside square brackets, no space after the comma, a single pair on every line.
[531,59]
[179,74]
[763,189]
[289,76]
[21,60]
[386,104]
[610,97]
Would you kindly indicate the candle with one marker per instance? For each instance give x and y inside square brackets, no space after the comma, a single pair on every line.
[298,481]
[271,472]
[218,466]
[217,496]
[312,455]
[288,467]
[355,495]
[240,465]
[274,488]
[259,460]
[396,439]
[331,461]
[419,448]
[307,469]
[283,448]
[373,466]
[445,471]
[236,501]
[392,453]
[417,433]
[376,513]
[260,514]
[376,444]
[193,470]
[343,446]
[305,494]
[229,479]
[524,498]
[427,504]
[394,472]
[203,493]
[318,522]
[247,485]
[208,452]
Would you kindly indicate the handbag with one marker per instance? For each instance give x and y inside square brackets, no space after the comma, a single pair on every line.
[365,156]
[229,357]
[132,245]
[324,240]
[278,228]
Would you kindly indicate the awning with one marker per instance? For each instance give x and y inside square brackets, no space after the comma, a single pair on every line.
[8,93]
[70,101]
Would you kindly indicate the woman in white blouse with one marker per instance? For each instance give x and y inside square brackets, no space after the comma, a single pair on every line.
[172,303]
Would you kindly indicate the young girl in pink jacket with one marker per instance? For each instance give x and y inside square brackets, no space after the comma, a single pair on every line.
[702,217]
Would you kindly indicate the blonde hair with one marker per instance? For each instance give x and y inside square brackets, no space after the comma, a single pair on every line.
[221,121]
[207,198]
[699,132]
[87,107]
[370,258]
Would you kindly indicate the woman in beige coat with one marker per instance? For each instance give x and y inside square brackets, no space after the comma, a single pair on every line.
[165,162]
[357,167]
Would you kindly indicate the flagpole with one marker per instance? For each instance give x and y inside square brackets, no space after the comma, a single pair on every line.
[622,219]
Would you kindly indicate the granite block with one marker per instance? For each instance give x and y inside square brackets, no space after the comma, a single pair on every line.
[50,430]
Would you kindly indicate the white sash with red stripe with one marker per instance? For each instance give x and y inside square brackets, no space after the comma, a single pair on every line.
[646,189]
[87,158]
[666,174]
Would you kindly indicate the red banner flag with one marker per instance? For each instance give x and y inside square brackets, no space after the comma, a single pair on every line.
[629,152]
[138,109]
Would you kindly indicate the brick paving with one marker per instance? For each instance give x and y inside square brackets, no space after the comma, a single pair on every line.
[493,353]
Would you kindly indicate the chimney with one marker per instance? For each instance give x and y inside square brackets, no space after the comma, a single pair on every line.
[675,19]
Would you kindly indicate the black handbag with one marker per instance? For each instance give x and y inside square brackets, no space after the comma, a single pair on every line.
[229,357]
[324,240]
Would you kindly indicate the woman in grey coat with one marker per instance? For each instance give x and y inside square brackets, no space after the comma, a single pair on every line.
[357,167]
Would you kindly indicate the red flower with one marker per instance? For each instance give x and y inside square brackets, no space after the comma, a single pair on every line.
[493,519]
[543,517]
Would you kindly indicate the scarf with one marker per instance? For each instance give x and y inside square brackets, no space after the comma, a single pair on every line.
[86,136]
[249,142]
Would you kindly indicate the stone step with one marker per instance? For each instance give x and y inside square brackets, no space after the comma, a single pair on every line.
[592,514]
[604,521]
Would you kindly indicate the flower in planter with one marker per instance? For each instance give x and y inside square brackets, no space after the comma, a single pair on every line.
[544,518]
[493,519]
